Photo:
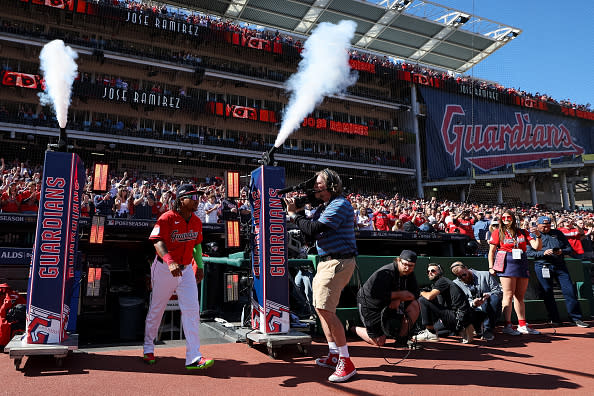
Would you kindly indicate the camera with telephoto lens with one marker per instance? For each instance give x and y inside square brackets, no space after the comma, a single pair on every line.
[310,194]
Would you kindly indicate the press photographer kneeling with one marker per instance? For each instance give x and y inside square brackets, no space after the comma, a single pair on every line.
[388,304]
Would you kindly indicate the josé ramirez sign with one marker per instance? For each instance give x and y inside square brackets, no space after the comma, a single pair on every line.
[343,127]
[146,98]
[141,18]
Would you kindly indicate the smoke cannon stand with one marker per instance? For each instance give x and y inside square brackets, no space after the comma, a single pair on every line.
[275,341]
[17,349]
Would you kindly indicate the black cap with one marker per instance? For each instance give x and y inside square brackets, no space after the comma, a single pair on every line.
[187,189]
[408,255]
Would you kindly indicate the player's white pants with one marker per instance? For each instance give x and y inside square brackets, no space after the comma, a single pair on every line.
[164,284]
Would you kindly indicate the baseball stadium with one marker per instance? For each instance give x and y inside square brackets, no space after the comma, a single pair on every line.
[260,123]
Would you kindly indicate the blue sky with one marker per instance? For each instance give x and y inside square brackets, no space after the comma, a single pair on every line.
[554,54]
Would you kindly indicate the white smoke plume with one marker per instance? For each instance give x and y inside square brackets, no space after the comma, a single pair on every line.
[324,70]
[59,71]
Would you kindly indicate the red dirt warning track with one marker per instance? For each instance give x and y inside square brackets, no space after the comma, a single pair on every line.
[560,360]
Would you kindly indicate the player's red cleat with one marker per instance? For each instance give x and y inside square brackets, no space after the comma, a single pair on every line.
[149,358]
[200,364]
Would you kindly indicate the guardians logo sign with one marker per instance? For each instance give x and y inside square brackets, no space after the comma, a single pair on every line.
[502,144]
[470,133]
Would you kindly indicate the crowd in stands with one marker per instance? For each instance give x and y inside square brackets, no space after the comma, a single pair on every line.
[475,220]
[217,24]
[134,196]
[142,197]
[27,116]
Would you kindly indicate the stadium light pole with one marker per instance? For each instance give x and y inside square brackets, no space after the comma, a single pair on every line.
[533,196]
[571,190]
[415,111]
[564,192]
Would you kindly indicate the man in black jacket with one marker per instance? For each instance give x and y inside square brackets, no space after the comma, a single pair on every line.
[393,287]
[548,262]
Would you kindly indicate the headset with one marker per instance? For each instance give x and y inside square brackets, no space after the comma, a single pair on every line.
[333,182]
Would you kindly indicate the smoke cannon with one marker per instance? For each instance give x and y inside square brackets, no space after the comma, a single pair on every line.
[268,157]
[62,145]
[62,140]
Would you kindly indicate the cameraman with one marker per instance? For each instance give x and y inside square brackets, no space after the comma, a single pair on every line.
[333,229]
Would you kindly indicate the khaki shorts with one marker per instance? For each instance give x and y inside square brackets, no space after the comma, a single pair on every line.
[331,277]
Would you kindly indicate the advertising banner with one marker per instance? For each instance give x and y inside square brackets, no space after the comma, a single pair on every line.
[270,293]
[51,278]
[15,256]
[23,80]
[465,134]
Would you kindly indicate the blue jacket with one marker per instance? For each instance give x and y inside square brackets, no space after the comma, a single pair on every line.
[480,229]
[554,239]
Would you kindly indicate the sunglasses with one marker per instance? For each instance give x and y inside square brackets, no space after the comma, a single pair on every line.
[506,217]
[432,271]
[193,197]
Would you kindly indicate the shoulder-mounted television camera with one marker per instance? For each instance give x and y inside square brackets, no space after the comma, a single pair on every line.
[306,187]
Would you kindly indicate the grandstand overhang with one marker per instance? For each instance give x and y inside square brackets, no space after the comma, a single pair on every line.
[415,31]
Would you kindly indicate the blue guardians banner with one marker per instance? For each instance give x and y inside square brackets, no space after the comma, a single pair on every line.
[51,278]
[270,293]
[465,133]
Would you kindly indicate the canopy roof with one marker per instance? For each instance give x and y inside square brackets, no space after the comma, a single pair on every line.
[415,31]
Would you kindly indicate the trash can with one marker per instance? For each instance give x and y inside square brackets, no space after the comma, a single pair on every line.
[131,317]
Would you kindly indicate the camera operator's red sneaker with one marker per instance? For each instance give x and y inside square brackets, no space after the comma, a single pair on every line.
[345,369]
[329,361]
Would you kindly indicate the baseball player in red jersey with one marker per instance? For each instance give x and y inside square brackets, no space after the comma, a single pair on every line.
[177,236]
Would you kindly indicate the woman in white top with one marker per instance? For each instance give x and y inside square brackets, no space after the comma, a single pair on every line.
[212,209]
[122,203]
[363,220]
